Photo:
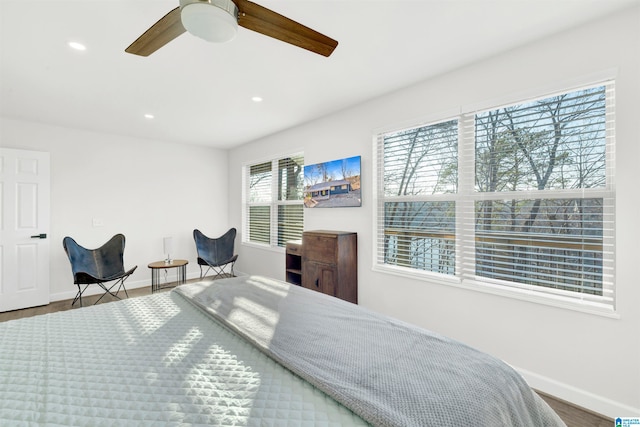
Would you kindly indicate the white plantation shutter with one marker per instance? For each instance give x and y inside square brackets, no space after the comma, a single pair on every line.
[520,197]
[273,201]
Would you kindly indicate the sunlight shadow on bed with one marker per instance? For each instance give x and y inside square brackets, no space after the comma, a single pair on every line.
[389,372]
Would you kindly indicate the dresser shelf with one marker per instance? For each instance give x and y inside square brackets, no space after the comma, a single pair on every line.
[293,262]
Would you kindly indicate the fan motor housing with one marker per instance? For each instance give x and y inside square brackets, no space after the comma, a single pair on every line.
[211,20]
[226,5]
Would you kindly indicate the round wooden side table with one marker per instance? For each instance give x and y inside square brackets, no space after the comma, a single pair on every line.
[158,266]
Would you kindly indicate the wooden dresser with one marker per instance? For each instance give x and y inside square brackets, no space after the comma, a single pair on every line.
[330,263]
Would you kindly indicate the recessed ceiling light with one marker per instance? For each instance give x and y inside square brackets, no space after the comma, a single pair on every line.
[77,46]
[256,99]
[149,116]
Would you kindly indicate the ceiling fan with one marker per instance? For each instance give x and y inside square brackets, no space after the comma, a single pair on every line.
[218,20]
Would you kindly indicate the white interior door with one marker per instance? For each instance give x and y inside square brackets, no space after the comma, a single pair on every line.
[24,228]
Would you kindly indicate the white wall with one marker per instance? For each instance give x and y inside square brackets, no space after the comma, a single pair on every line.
[143,189]
[588,359]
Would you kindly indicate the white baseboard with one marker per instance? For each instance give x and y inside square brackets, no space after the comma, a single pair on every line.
[579,397]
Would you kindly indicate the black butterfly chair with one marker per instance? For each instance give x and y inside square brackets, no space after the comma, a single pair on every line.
[98,266]
[216,254]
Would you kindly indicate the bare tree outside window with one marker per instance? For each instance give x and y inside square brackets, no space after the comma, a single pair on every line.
[556,143]
[535,209]
[419,163]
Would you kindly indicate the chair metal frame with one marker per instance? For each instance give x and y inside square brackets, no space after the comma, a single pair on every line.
[98,266]
[216,253]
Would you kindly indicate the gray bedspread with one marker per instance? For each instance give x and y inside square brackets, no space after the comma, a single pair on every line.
[388,372]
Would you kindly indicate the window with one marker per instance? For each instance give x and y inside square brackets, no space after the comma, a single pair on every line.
[273,201]
[518,197]
[420,179]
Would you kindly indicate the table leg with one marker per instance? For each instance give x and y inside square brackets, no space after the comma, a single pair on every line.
[181,276]
[182,279]
[155,278]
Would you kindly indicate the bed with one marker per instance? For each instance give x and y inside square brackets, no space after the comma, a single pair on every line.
[249,351]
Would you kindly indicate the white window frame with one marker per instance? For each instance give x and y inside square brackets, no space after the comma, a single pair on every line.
[466,197]
[273,204]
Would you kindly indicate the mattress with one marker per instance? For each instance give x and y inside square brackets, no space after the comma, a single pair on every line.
[150,361]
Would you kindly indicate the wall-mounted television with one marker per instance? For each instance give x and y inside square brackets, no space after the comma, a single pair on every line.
[334,184]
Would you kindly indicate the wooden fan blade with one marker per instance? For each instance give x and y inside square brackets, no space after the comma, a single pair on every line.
[162,32]
[265,21]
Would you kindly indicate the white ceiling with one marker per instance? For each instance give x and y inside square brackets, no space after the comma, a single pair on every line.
[201,93]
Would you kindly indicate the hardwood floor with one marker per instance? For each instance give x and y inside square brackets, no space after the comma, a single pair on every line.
[572,415]
[87,301]
[66,305]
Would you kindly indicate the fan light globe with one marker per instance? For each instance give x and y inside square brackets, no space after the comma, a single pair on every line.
[211,21]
